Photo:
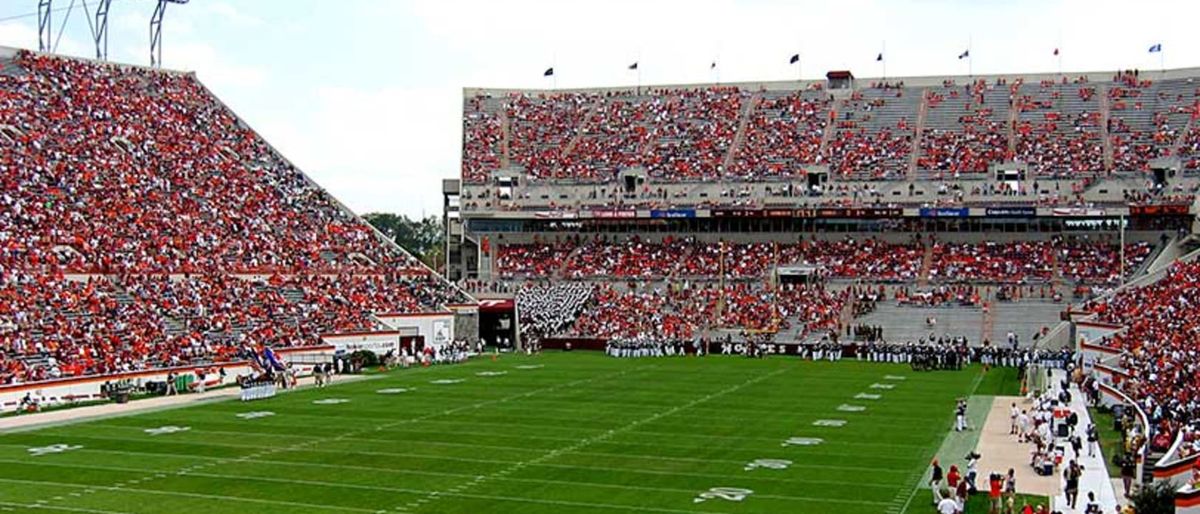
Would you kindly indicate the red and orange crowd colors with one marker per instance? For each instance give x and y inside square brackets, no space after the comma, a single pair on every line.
[1018,262]
[1159,350]
[1058,128]
[143,224]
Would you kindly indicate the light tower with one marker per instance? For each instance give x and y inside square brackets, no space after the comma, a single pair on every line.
[100,30]
[44,10]
[156,30]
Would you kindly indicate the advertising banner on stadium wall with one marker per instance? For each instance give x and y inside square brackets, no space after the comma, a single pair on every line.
[557,215]
[736,213]
[673,213]
[613,214]
[944,212]
[1158,210]
[378,342]
[1078,211]
[1010,212]
[828,212]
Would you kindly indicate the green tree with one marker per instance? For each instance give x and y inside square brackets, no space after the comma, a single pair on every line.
[423,238]
[1155,499]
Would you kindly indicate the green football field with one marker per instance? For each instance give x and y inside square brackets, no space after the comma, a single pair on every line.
[545,434]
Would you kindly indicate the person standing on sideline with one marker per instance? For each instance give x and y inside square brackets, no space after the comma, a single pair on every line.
[1013,414]
[935,483]
[1093,439]
[1128,470]
[1071,476]
[995,493]
[960,416]
[1092,507]
[200,376]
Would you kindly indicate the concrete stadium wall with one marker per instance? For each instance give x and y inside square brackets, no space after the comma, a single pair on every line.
[436,327]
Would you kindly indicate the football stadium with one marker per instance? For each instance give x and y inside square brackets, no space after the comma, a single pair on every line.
[939,293]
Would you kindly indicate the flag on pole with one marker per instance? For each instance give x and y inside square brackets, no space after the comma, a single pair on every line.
[965,54]
[633,66]
[1155,48]
[795,59]
[548,72]
[713,66]
[1055,51]
[879,57]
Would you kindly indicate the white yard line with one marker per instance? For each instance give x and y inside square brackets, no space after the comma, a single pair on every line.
[503,474]
[183,495]
[7,507]
[269,451]
[916,487]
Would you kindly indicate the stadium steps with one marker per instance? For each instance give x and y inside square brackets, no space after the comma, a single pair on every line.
[831,129]
[740,136]
[915,153]
[561,270]
[987,323]
[579,129]
[1012,126]
[505,134]
[1105,116]
[926,264]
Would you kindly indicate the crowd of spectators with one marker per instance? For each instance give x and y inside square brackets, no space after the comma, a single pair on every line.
[1014,262]
[1100,264]
[1158,348]
[135,205]
[675,311]
[783,134]
[689,134]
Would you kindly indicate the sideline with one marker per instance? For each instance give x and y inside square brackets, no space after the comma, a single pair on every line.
[69,416]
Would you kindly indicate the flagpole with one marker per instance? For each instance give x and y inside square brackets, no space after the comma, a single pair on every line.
[638,63]
[883,54]
[970,64]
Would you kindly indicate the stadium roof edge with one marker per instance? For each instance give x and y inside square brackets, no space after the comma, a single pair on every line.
[10,51]
[914,81]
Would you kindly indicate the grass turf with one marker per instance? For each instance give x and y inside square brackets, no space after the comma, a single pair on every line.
[547,434]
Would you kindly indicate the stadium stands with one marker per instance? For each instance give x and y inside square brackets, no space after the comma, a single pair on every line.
[135,204]
[1159,346]
[1062,128]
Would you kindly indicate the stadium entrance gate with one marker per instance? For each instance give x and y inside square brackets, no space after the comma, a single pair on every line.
[497,322]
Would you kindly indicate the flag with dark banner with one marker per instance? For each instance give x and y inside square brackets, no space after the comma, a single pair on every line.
[548,72]
[633,66]
[965,54]
[1155,48]
[1055,51]
[879,57]
[795,59]
[713,66]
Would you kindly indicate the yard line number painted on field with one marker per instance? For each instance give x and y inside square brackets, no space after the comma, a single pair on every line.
[491,373]
[256,414]
[837,423]
[845,407]
[54,448]
[768,464]
[396,390]
[803,441]
[330,401]
[446,381]
[169,429]
[732,494]
[867,396]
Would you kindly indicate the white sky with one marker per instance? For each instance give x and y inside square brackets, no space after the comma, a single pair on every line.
[365,95]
